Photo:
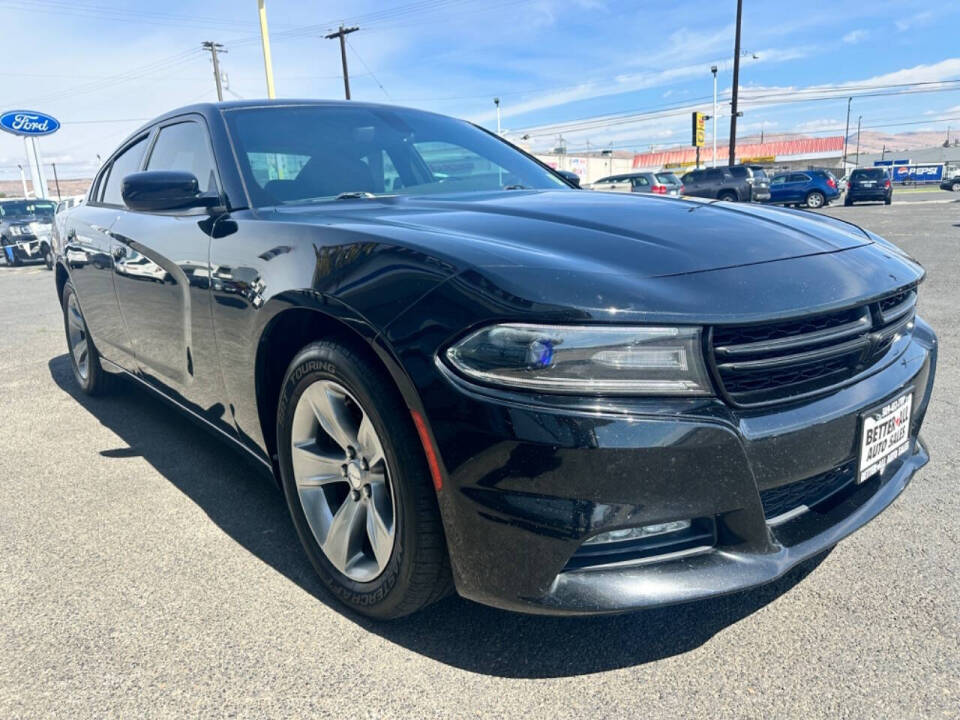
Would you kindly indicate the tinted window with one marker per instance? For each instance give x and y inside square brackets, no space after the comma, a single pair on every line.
[125,164]
[799,177]
[640,181]
[184,147]
[667,179]
[604,180]
[692,177]
[27,210]
[739,172]
[869,174]
[713,176]
[778,180]
[329,150]
[759,172]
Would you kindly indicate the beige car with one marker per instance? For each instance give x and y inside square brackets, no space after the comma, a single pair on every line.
[657,183]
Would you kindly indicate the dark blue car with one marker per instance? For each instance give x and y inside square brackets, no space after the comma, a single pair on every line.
[813,188]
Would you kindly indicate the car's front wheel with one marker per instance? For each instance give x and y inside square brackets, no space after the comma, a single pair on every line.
[357,483]
[84,358]
[956,186]
[727,197]
[48,257]
[815,199]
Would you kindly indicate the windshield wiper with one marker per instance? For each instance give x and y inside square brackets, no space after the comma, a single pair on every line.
[355,195]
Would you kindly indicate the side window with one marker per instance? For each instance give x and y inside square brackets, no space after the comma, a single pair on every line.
[692,177]
[126,163]
[640,181]
[799,178]
[184,147]
[778,180]
[713,176]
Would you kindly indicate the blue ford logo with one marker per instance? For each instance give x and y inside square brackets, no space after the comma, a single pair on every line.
[28,122]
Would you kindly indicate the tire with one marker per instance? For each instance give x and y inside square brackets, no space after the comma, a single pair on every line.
[848,202]
[727,197]
[48,257]
[815,200]
[332,390]
[956,186]
[85,360]
[888,200]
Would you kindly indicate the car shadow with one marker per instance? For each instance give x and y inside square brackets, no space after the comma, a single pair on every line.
[246,504]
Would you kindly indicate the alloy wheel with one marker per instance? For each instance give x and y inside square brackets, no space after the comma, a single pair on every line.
[814,200]
[77,337]
[343,482]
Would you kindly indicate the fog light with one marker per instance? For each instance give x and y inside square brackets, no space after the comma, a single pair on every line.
[638,533]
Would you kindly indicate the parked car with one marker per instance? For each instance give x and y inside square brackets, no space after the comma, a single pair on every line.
[813,188]
[658,183]
[951,183]
[554,401]
[718,183]
[25,230]
[869,184]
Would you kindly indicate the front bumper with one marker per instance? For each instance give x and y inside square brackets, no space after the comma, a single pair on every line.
[529,480]
[24,248]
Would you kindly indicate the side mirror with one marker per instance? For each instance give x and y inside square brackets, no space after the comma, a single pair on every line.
[570,177]
[159,190]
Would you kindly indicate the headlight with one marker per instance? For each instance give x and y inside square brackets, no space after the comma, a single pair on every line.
[585,359]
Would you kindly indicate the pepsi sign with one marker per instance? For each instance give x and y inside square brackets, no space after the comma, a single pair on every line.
[28,122]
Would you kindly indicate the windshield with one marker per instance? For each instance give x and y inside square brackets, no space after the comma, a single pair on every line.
[315,153]
[871,174]
[27,210]
[759,173]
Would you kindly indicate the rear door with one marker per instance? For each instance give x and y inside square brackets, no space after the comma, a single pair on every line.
[797,186]
[162,273]
[90,251]
[713,180]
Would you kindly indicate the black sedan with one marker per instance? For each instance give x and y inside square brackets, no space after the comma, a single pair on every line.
[464,374]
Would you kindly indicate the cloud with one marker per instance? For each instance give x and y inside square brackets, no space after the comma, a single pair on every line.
[914,21]
[855,36]
[631,82]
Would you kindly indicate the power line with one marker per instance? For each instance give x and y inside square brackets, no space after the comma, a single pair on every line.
[364,62]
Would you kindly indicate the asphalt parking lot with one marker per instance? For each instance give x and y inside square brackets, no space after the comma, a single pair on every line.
[146,570]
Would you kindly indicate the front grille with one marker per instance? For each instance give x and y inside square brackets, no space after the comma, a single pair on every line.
[807,493]
[773,362]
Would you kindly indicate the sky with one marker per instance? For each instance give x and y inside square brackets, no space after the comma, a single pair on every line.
[103,68]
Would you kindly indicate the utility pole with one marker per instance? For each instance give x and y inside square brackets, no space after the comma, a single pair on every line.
[496,101]
[736,83]
[214,48]
[845,134]
[265,42]
[858,140]
[56,180]
[713,69]
[342,34]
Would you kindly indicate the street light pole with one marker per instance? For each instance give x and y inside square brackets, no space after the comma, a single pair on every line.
[265,42]
[858,140]
[736,83]
[23,180]
[845,134]
[713,69]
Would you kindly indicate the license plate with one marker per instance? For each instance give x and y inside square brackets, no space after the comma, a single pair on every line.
[868,183]
[885,436]
[674,193]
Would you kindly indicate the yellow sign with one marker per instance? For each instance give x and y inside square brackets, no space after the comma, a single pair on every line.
[759,159]
[699,129]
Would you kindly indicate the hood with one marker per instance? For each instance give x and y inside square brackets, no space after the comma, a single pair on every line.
[638,235]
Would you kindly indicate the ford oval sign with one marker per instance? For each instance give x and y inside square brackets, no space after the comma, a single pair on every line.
[28,122]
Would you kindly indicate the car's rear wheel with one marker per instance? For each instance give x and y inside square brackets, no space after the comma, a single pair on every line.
[357,483]
[815,199]
[888,200]
[48,257]
[956,186]
[848,202]
[84,358]
[727,197]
